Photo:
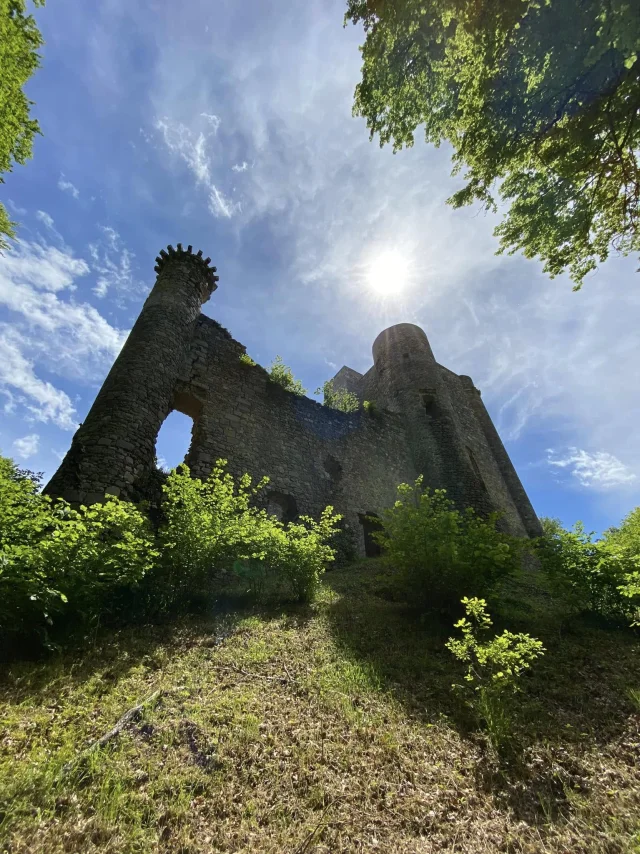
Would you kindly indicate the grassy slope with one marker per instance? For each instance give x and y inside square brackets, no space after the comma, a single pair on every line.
[330,729]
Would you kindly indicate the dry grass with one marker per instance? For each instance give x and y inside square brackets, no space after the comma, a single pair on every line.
[330,729]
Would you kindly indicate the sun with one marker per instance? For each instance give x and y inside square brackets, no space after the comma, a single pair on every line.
[388,273]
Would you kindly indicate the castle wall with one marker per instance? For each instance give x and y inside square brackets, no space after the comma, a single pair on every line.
[314,454]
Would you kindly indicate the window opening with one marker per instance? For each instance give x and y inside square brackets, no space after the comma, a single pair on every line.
[370,523]
[428,396]
[174,440]
[282,506]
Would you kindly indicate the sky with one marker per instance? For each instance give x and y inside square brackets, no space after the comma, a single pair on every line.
[228,126]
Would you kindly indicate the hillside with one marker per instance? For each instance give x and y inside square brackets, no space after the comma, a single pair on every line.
[328,728]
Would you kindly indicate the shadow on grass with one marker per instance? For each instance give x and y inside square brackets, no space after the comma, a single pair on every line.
[107,655]
[574,700]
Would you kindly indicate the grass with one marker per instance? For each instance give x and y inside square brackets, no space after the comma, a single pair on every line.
[324,729]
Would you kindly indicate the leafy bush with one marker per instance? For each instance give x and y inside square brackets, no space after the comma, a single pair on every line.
[370,407]
[208,525]
[96,553]
[300,552]
[597,576]
[622,548]
[213,528]
[283,376]
[58,561]
[246,359]
[338,398]
[439,552]
[494,667]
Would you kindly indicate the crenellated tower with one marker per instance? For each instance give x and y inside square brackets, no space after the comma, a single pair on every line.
[116,443]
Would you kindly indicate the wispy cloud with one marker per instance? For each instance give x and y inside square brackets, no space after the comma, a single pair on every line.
[41,400]
[113,263]
[49,332]
[40,265]
[68,187]
[27,446]
[598,470]
[45,218]
[240,167]
[193,149]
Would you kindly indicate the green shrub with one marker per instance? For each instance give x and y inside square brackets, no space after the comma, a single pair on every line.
[212,529]
[283,376]
[299,552]
[58,561]
[338,398]
[208,525]
[370,407]
[101,561]
[439,552]
[246,359]
[621,546]
[494,667]
[588,575]
[96,554]
[27,596]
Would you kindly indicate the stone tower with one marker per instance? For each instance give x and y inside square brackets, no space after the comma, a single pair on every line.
[116,443]
[425,420]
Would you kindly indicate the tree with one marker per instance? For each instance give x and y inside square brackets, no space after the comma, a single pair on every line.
[540,101]
[19,42]
[282,375]
[338,398]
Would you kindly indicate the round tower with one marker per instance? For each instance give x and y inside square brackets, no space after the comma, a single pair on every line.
[410,381]
[116,443]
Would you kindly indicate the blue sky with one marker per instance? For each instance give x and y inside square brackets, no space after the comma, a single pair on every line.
[229,126]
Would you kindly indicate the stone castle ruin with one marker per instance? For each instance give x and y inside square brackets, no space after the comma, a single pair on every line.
[427,419]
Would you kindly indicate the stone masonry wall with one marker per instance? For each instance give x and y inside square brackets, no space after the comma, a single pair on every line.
[313,454]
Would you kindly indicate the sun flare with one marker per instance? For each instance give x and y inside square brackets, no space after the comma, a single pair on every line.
[388,273]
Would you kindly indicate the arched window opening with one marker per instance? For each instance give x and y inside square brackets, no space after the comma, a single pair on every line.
[282,506]
[370,524]
[174,440]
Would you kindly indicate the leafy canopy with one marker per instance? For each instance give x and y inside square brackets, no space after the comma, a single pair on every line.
[19,43]
[540,101]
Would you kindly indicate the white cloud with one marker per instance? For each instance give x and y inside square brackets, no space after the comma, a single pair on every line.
[59,336]
[68,187]
[27,446]
[113,263]
[214,121]
[599,470]
[41,266]
[46,219]
[240,167]
[193,148]
[41,399]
